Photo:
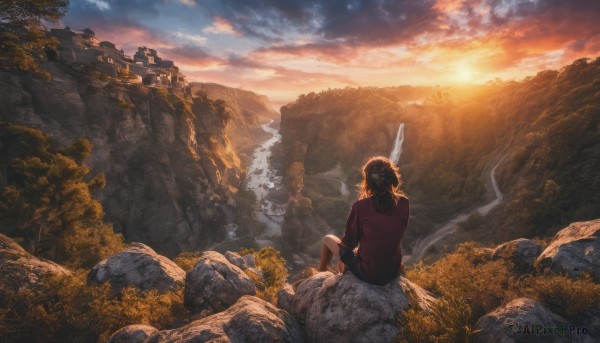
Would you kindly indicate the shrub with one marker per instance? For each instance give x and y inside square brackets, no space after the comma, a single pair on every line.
[470,285]
[468,274]
[187,259]
[71,310]
[571,298]
[46,199]
[125,105]
[449,319]
[272,264]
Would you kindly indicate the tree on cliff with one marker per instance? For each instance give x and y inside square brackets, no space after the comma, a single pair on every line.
[23,40]
[46,199]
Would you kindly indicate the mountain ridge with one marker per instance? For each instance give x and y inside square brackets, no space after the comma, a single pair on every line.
[452,133]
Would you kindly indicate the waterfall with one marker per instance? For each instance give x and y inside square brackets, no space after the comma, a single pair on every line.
[397,150]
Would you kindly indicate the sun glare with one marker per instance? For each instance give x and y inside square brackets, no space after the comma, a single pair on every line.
[464,74]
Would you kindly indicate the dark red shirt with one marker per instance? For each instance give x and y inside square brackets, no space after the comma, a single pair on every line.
[378,237]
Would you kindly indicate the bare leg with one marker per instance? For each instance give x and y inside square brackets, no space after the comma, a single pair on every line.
[329,249]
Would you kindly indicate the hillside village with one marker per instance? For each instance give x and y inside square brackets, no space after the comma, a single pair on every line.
[81,49]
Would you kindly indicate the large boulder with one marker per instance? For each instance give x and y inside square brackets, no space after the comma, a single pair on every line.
[242,262]
[140,266]
[214,284]
[22,271]
[132,334]
[246,262]
[250,319]
[342,308]
[574,250]
[521,252]
[526,320]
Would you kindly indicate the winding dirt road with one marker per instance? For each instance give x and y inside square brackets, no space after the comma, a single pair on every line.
[421,246]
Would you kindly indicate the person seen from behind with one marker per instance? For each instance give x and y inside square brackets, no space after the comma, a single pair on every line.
[371,245]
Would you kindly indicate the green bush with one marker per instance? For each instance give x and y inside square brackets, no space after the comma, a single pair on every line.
[46,199]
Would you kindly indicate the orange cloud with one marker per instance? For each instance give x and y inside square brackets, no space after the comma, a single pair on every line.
[286,48]
[220,26]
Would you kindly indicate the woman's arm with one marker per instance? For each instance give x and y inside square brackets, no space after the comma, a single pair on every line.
[351,235]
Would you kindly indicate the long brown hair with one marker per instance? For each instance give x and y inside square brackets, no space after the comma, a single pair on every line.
[381,180]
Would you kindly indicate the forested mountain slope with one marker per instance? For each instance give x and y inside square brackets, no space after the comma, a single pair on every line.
[546,127]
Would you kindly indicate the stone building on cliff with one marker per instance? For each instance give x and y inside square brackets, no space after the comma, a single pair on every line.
[83,50]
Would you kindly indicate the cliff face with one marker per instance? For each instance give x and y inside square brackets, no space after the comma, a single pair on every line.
[346,127]
[248,111]
[171,172]
[322,130]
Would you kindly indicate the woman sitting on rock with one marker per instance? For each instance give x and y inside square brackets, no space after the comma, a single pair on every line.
[370,247]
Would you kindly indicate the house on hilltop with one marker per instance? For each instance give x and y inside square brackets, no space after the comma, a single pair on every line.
[156,70]
[82,50]
[89,37]
[150,58]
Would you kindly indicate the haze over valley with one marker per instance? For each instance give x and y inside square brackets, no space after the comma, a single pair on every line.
[148,148]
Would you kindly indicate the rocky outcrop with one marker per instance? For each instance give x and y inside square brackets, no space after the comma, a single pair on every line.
[342,308]
[250,319]
[132,334]
[518,321]
[214,284]
[246,262]
[522,252]
[138,265]
[574,250]
[171,174]
[247,109]
[22,271]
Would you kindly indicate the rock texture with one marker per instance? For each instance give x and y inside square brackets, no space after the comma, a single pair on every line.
[244,262]
[517,320]
[522,252]
[132,334]
[171,173]
[574,250]
[138,265]
[249,320]
[341,308]
[20,270]
[248,110]
[214,283]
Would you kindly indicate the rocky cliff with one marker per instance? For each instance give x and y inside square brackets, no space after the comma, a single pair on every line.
[171,172]
[248,110]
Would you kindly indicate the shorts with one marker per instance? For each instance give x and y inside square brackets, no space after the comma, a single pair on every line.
[351,262]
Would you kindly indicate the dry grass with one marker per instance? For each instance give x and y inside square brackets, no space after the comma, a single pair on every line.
[468,285]
[272,265]
[69,309]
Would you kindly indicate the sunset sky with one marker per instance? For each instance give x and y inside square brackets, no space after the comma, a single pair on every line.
[285,48]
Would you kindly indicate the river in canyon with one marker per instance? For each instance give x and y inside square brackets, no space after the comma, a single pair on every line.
[262,180]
